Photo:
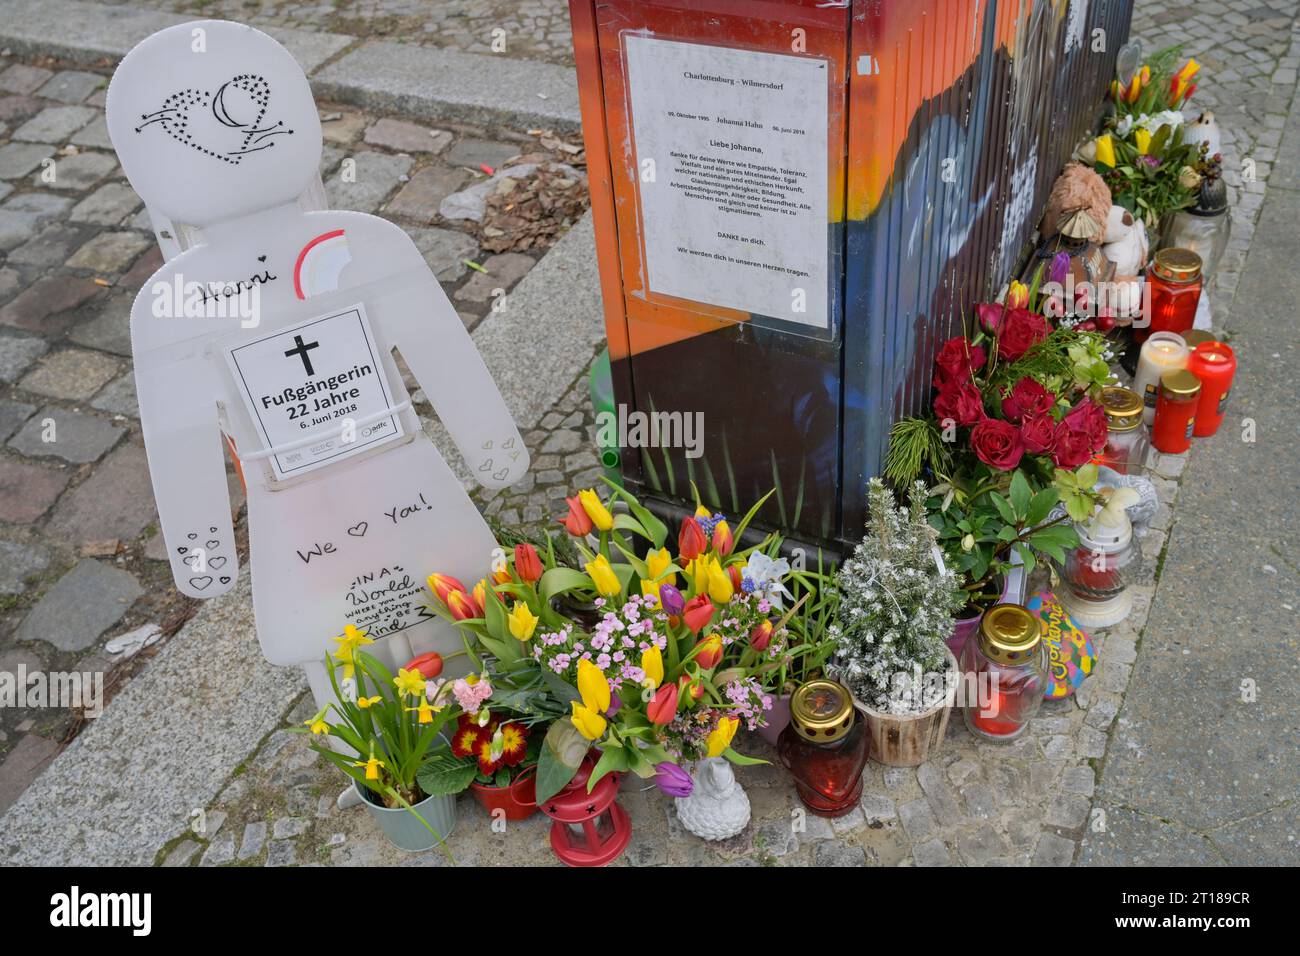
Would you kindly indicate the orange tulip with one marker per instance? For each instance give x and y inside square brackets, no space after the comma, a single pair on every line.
[761,636]
[577,522]
[662,707]
[527,564]
[444,584]
[690,540]
[698,612]
[723,540]
[463,606]
[710,652]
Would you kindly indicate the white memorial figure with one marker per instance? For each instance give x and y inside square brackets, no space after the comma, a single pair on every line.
[276,328]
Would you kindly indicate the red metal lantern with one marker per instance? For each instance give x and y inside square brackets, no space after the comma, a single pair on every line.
[590,829]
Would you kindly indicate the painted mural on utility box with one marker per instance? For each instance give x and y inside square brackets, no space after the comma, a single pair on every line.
[796,201]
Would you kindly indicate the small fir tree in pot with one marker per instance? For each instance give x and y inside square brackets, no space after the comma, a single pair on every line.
[897,606]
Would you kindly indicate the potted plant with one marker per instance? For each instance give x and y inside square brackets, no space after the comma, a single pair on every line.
[896,611]
[380,732]
[495,758]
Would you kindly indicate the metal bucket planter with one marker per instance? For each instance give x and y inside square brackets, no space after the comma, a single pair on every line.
[909,740]
[404,830]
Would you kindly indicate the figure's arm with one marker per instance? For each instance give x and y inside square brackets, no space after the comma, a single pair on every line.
[178,414]
[461,389]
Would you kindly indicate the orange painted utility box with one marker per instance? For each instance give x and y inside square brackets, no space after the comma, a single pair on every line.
[795,202]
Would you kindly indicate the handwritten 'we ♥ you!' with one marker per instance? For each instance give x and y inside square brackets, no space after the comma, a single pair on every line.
[395,515]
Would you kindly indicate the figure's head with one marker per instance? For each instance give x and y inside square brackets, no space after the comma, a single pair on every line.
[213,120]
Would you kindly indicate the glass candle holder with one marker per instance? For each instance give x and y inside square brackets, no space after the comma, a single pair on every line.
[1098,573]
[1215,366]
[1175,421]
[1175,277]
[1126,437]
[1009,662]
[824,747]
[1204,233]
[1162,352]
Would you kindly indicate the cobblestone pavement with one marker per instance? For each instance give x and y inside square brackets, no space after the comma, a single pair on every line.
[81,560]
[519,29]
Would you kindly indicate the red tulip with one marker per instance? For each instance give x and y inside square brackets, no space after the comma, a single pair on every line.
[733,572]
[444,584]
[724,542]
[463,606]
[429,665]
[710,652]
[577,522]
[690,540]
[527,564]
[662,707]
[761,636]
[698,612]
[687,686]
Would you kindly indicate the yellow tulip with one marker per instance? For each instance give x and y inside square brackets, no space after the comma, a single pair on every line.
[652,662]
[720,739]
[657,562]
[589,723]
[1143,139]
[698,572]
[651,587]
[480,592]
[522,621]
[702,512]
[1017,295]
[1106,151]
[603,576]
[720,588]
[593,686]
[596,511]
[409,682]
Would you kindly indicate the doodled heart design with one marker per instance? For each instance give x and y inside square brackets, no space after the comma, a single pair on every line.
[216,564]
[192,560]
[487,444]
[225,123]
[501,475]
[182,549]
[201,583]
[508,443]
[192,535]
[486,466]
[359,529]
[214,544]
[514,456]
[213,529]
[225,580]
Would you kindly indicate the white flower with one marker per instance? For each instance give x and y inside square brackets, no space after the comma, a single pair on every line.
[766,573]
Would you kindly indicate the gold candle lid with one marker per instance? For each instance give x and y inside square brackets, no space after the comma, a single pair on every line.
[1177,265]
[821,710]
[1123,408]
[1180,382]
[1009,633]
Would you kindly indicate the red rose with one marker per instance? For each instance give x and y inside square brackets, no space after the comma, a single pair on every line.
[1073,447]
[1089,418]
[1027,398]
[957,359]
[963,404]
[997,443]
[1039,434]
[1021,330]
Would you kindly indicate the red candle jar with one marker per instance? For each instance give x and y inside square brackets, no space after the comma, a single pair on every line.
[1180,392]
[1010,664]
[824,747]
[1175,278]
[1215,366]
[1126,439]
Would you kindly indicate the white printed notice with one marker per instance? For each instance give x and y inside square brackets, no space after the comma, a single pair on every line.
[731,160]
[317,391]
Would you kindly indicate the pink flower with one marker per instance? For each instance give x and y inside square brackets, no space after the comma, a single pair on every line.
[469,696]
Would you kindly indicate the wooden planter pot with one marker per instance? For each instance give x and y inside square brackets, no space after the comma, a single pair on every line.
[910,740]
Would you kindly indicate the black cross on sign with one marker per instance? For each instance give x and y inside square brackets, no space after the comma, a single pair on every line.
[301,351]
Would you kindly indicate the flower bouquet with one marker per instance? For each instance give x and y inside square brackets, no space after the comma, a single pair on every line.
[651,658]
[1015,424]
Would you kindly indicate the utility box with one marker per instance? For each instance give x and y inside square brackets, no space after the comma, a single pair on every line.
[796,202]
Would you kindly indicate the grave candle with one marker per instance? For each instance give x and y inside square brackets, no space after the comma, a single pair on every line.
[1162,352]
[1126,439]
[1009,655]
[1216,366]
[1175,277]
[1176,412]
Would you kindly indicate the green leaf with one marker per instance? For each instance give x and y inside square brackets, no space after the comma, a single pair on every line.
[613,760]
[1021,494]
[654,529]
[1004,507]
[559,580]
[741,760]
[1041,506]
[624,522]
[442,775]
[561,755]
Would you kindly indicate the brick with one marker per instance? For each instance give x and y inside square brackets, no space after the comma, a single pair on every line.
[78,172]
[81,606]
[404,137]
[118,397]
[108,205]
[364,183]
[21,78]
[503,271]
[27,490]
[19,159]
[24,763]
[110,253]
[72,374]
[419,198]
[76,438]
[344,128]
[17,108]
[45,306]
[72,86]
[115,502]
[473,152]
[50,246]
[54,124]
[12,416]
[17,353]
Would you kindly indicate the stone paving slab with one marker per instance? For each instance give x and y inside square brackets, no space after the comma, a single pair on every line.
[85,602]
[164,747]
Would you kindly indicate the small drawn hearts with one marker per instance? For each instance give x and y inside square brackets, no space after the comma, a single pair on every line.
[259,259]
[486,466]
[225,580]
[201,583]
[487,445]
[192,560]
[182,550]
[216,564]
[213,529]
[514,456]
[192,535]
[213,544]
[501,475]
[359,529]
[508,443]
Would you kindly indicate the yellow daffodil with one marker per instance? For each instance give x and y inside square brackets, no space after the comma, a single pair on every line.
[652,662]
[658,562]
[349,643]
[720,739]
[523,622]
[425,710]
[367,702]
[317,723]
[593,686]
[720,586]
[409,682]
[589,723]
[596,511]
[1142,137]
[1106,151]
[372,767]
[603,576]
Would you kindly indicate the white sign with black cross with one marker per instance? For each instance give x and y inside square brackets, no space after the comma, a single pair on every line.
[316,391]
